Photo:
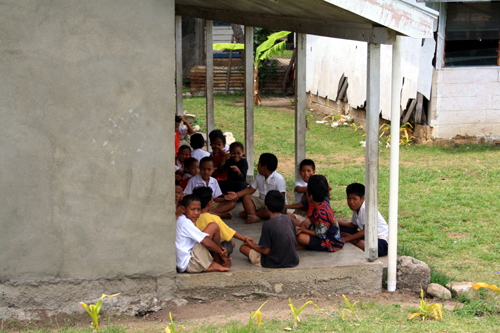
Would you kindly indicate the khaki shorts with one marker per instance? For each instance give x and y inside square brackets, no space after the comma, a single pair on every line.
[214,205]
[200,260]
[301,218]
[260,204]
[254,257]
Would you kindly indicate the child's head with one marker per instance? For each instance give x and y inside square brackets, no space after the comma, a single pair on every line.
[355,196]
[205,195]
[217,141]
[191,207]
[206,167]
[324,180]
[197,141]
[191,166]
[317,189]
[275,201]
[178,192]
[269,161]
[307,168]
[177,122]
[184,152]
[236,151]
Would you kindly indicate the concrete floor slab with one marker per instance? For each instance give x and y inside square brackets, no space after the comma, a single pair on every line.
[344,271]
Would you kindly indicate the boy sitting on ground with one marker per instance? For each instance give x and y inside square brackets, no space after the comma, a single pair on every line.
[226,233]
[325,235]
[197,142]
[205,179]
[349,231]
[276,248]
[236,168]
[198,251]
[267,179]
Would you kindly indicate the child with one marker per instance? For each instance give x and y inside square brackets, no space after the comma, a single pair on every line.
[179,131]
[218,142]
[236,167]
[276,248]
[205,179]
[183,153]
[178,199]
[197,142]
[226,233]
[325,236]
[198,251]
[191,169]
[307,168]
[349,231]
[267,179]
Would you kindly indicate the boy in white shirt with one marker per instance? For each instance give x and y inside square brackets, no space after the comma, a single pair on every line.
[267,179]
[197,142]
[349,231]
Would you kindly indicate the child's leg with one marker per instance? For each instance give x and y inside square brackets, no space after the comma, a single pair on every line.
[216,267]
[222,209]
[250,209]
[302,241]
[245,249]
[213,231]
[263,214]
[294,220]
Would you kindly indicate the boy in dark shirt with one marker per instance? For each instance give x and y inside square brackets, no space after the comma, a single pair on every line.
[236,167]
[276,248]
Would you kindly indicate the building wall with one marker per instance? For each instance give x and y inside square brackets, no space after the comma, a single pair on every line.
[466,101]
[86,102]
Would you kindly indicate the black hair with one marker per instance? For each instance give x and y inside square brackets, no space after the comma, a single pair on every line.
[317,188]
[324,180]
[188,199]
[207,159]
[269,160]
[205,195]
[356,188]
[275,201]
[304,163]
[217,133]
[188,161]
[177,119]
[184,147]
[177,182]
[197,141]
[235,145]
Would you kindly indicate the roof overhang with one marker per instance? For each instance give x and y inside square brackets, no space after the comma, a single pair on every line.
[376,21]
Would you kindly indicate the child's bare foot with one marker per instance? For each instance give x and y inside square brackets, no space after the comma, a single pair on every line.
[215,267]
[243,214]
[226,215]
[253,219]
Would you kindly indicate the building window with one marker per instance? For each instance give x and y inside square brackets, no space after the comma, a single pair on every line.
[472,34]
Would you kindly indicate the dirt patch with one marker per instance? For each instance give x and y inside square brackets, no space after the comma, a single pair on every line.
[456,234]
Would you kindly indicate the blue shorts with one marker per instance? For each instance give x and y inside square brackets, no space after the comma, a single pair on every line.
[382,243]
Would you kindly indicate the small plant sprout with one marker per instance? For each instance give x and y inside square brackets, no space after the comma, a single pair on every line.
[484,285]
[350,306]
[405,130]
[257,314]
[428,310]
[296,312]
[93,311]
[172,329]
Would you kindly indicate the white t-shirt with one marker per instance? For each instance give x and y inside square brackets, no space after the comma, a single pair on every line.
[275,181]
[187,235]
[199,154]
[197,181]
[182,131]
[298,196]
[359,220]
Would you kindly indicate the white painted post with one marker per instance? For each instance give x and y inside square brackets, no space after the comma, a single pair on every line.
[441,31]
[397,85]
[249,131]
[300,102]
[178,65]
[371,163]
[209,51]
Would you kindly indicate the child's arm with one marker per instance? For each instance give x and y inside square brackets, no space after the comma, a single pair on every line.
[211,246]
[296,206]
[300,189]
[219,199]
[234,196]
[250,243]
[190,129]
[348,225]
[355,236]
[238,236]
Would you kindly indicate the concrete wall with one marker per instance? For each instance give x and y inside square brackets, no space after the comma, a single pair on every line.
[86,108]
[466,101]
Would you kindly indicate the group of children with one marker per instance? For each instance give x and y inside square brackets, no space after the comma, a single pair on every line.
[209,186]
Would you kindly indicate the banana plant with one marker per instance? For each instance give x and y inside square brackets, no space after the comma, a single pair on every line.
[296,312]
[93,311]
[257,314]
[271,47]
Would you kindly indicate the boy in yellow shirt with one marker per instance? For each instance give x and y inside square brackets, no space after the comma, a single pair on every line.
[226,233]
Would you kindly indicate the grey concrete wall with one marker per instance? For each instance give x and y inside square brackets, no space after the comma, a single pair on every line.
[86,139]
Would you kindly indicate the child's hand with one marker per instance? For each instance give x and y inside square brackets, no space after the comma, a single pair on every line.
[231,196]
[235,169]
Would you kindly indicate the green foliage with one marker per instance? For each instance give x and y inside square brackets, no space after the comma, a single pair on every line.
[350,306]
[172,329]
[466,306]
[254,314]
[440,278]
[428,310]
[405,130]
[296,312]
[93,311]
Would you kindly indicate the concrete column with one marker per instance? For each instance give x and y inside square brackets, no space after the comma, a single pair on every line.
[249,102]
[300,102]
[178,65]
[371,164]
[397,84]
[209,56]
[440,36]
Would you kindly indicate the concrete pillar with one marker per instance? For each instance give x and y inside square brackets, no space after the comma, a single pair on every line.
[249,142]
[209,51]
[371,164]
[300,102]
[178,65]
[397,84]
[440,36]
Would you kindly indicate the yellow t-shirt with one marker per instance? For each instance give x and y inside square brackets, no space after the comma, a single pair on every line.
[226,233]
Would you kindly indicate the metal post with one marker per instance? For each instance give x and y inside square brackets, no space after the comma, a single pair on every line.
[371,164]
[249,130]
[178,65]
[209,51]
[300,102]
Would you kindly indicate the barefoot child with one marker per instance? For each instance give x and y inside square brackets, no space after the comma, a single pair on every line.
[276,248]
[349,231]
[198,251]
